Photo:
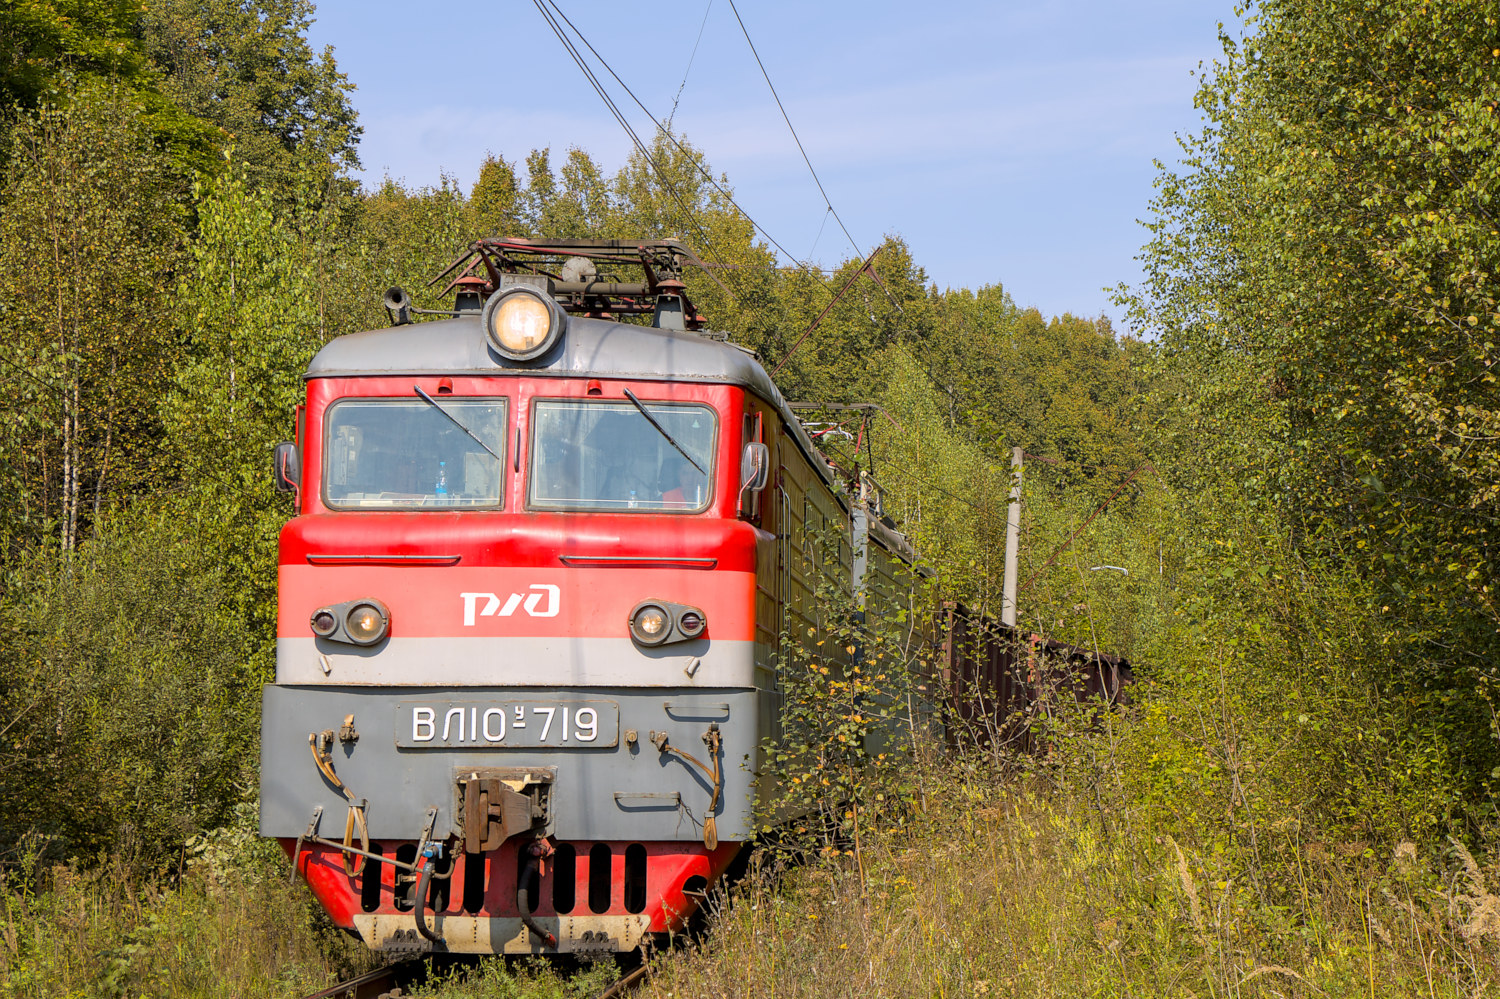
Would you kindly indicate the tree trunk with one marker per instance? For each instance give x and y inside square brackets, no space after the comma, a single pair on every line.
[109,429]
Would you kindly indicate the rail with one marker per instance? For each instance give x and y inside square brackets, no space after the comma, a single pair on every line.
[382,983]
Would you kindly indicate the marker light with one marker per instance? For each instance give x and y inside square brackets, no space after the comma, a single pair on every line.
[649,624]
[690,623]
[324,622]
[521,324]
[366,623]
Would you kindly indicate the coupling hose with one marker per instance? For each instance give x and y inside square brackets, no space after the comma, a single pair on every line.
[323,757]
[424,881]
[523,904]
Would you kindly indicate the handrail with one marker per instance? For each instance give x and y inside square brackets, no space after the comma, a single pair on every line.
[384,559]
[639,561]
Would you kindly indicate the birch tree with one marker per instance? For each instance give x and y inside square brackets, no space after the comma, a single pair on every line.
[89,239]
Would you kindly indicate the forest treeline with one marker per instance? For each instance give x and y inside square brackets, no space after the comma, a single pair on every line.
[1276,494]
[179,236]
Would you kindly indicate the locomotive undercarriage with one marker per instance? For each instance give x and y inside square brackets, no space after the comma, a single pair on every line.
[593,897]
[538,849]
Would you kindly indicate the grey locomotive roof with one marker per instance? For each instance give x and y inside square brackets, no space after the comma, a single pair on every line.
[589,348]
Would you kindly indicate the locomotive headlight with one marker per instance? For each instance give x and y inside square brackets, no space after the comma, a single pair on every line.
[649,624]
[367,622]
[521,323]
[661,622]
[324,622]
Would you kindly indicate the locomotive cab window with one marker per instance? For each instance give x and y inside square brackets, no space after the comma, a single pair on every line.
[405,454]
[610,456]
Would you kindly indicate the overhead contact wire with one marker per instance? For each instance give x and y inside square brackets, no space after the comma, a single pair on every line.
[691,56]
[826,309]
[667,132]
[661,174]
[795,137]
[619,117]
[805,159]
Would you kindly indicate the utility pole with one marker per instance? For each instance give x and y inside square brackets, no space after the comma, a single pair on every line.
[1012,541]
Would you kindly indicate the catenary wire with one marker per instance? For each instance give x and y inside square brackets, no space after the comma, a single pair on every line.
[691,56]
[795,137]
[686,153]
[619,117]
[818,238]
[912,477]
[798,139]
[664,131]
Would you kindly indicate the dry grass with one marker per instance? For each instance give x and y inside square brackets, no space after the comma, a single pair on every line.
[229,928]
[992,891]
[1009,895]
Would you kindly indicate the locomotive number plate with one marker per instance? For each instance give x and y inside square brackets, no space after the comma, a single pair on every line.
[507,724]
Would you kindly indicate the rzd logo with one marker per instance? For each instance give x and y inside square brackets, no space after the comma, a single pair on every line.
[542,603]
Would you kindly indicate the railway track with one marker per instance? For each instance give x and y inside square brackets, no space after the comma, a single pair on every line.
[626,982]
[391,982]
[382,983]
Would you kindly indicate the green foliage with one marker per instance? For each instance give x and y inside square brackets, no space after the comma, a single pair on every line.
[129,691]
[946,491]
[855,713]
[398,236]
[1268,685]
[1001,888]
[89,238]
[496,199]
[404,235]
[1065,389]
[1264,693]
[204,74]
[227,925]
[496,978]
[1301,588]
[1321,276]
[1304,587]
[133,659]
[249,307]
[245,68]
[46,41]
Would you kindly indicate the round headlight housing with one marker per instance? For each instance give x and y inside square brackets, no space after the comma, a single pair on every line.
[367,622]
[650,624]
[521,323]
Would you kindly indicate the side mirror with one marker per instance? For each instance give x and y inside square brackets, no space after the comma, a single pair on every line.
[755,469]
[286,468]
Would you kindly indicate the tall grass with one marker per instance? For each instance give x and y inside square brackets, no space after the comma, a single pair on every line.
[1273,815]
[997,890]
[227,925]
[1004,885]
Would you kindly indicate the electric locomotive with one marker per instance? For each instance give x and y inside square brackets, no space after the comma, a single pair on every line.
[530,606]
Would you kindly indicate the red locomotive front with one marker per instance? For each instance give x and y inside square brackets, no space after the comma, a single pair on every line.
[525,636]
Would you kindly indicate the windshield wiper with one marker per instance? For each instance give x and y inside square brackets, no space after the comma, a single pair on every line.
[456,421]
[662,430]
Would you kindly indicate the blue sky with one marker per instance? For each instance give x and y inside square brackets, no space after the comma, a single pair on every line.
[1007,142]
